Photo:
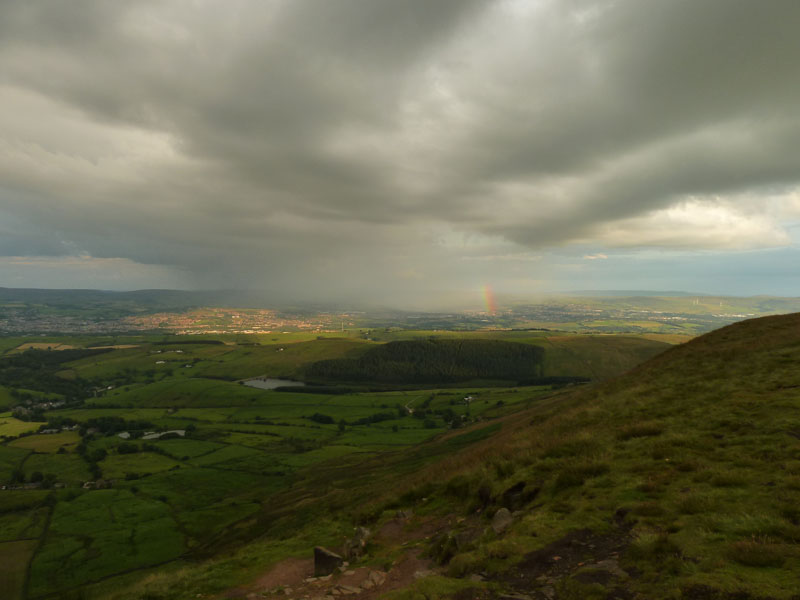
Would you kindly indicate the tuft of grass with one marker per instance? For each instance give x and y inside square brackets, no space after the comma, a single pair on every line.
[640,430]
[757,552]
[728,479]
[575,475]
[694,504]
[649,509]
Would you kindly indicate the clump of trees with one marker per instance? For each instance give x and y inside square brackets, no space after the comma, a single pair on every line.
[36,370]
[111,425]
[435,361]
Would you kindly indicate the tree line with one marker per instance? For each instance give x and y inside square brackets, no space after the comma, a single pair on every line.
[434,361]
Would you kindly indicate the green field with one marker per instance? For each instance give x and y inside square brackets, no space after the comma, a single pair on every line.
[117,466]
[14,558]
[5,397]
[50,442]
[69,469]
[11,427]
[100,533]
[10,460]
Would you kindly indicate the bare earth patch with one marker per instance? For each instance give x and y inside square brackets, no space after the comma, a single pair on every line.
[292,579]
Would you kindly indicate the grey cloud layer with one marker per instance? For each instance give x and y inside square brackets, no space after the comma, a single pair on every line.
[281,139]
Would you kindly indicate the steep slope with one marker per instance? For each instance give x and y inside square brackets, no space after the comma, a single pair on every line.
[684,475]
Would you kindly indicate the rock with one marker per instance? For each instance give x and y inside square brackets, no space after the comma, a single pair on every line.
[611,566]
[465,539]
[349,590]
[548,591]
[476,578]
[376,577]
[421,574]
[310,579]
[403,515]
[325,561]
[367,584]
[501,520]
[354,547]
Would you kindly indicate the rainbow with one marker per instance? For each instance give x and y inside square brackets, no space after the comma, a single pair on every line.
[488,295]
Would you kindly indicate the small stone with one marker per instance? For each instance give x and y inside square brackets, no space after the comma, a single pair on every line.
[421,574]
[611,566]
[476,578]
[351,572]
[501,520]
[349,590]
[377,577]
[367,584]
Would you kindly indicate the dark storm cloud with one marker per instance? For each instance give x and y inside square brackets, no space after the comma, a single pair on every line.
[283,140]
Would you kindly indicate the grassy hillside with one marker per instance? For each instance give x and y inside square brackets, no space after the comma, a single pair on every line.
[688,467]
[596,357]
[680,479]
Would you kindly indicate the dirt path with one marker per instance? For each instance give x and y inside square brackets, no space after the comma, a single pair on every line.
[292,579]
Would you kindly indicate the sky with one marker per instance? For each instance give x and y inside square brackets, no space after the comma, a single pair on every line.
[401,152]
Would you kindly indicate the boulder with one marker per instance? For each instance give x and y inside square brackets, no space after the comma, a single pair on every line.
[501,520]
[325,561]
[354,548]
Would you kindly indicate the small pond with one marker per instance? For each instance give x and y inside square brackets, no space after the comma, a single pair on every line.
[265,383]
